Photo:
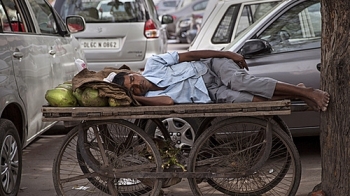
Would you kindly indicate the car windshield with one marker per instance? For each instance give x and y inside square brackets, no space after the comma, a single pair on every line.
[97,11]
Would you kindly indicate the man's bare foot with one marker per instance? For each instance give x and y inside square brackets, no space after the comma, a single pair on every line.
[308,101]
[301,85]
[321,98]
[318,99]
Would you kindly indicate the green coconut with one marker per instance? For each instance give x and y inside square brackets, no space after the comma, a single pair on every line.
[118,102]
[60,97]
[78,94]
[113,102]
[66,86]
[90,98]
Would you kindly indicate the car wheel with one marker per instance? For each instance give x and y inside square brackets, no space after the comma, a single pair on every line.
[182,131]
[181,40]
[11,158]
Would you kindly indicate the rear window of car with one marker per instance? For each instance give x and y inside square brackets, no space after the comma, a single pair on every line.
[168,4]
[106,11]
[200,6]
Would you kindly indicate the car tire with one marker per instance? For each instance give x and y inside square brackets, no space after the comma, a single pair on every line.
[11,158]
[187,127]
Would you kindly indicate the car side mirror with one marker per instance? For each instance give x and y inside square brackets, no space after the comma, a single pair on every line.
[75,24]
[255,47]
[167,19]
[318,66]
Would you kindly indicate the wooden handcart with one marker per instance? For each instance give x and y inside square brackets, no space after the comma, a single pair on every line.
[236,149]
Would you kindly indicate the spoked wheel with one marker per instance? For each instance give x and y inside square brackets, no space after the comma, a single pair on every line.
[234,146]
[93,152]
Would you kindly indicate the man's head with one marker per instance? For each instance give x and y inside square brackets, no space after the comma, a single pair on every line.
[119,78]
[135,82]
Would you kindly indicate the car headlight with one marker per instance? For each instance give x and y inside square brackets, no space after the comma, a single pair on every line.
[185,23]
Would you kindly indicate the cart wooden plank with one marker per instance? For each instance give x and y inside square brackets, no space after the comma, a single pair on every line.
[282,107]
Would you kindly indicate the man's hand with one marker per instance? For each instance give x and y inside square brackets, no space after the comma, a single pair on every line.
[239,59]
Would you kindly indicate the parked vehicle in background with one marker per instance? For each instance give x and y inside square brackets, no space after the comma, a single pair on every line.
[164,6]
[37,53]
[194,7]
[226,19]
[286,45]
[129,35]
[191,29]
[188,27]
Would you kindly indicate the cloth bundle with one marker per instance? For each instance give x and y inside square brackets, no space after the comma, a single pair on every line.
[97,80]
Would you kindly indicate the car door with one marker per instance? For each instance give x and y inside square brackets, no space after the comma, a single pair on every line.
[43,58]
[62,47]
[31,78]
[295,37]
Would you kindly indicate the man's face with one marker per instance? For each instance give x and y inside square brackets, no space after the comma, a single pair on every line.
[136,83]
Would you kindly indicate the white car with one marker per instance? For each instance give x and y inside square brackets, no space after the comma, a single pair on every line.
[130,36]
[37,53]
[292,35]
[224,20]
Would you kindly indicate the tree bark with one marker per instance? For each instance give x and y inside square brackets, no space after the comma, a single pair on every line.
[335,79]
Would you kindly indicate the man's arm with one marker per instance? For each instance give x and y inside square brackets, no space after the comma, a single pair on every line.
[202,54]
[153,101]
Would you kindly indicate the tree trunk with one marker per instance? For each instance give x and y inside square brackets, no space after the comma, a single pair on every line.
[335,74]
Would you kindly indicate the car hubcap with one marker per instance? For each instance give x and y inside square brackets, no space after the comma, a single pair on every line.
[9,163]
[181,132]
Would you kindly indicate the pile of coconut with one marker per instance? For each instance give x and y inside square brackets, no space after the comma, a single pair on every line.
[92,89]
[64,96]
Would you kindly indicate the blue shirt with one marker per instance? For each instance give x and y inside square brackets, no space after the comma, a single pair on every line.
[184,80]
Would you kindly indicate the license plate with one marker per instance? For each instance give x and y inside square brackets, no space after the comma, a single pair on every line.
[100,43]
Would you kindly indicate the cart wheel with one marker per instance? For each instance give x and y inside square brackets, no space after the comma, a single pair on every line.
[84,170]
[234,146]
